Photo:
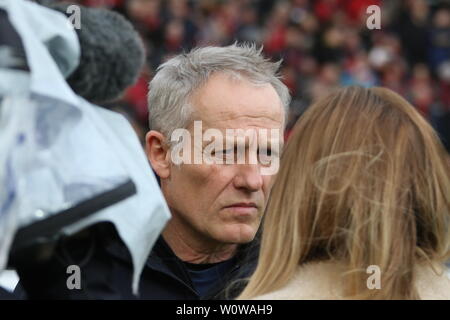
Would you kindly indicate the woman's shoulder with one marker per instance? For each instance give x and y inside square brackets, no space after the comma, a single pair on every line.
[433,282]
[312,281]
[321,281]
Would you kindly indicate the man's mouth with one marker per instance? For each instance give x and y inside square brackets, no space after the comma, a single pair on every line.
[243,208]
[244,205]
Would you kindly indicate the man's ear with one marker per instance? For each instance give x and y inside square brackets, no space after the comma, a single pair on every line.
[158,153]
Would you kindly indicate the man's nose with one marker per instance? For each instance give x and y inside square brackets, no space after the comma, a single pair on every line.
[248,177]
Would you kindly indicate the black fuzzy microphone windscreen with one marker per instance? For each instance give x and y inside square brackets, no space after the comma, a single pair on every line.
[112,54]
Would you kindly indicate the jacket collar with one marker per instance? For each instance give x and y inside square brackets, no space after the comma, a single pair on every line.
[163,260]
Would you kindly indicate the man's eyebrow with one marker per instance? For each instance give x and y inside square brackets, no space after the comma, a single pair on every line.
[212,140]
[270,145]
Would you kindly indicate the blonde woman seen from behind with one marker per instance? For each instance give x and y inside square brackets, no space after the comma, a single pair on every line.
[360,208]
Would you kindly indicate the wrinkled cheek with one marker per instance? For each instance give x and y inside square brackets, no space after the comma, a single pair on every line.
[269,180]
[267,188]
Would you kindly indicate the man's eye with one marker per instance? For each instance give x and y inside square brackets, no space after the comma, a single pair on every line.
[265,152]
[222,153]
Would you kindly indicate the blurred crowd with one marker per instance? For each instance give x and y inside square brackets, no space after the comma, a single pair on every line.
[323,44]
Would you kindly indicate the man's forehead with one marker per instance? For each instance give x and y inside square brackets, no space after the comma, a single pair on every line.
[260,136]
[224,101]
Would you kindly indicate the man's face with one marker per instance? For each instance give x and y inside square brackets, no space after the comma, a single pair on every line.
[224,203]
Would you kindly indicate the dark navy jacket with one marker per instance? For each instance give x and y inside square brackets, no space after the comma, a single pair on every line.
[106,272]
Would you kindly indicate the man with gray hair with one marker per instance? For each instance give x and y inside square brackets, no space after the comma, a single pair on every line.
[210,113]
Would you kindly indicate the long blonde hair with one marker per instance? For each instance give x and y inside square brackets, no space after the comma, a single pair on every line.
[363,180]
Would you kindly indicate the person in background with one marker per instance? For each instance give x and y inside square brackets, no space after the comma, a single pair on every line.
[360,208]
